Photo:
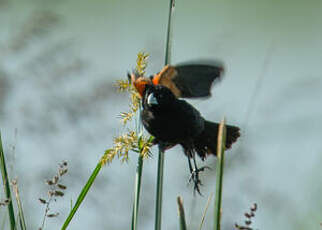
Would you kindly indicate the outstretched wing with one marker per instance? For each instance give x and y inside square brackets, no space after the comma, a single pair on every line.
[189,80]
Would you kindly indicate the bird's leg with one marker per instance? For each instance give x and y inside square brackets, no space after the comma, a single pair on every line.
[190,167]
[192,174]
[195,173]
[196,167]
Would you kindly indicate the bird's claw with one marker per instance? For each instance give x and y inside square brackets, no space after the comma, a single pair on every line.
[194,176]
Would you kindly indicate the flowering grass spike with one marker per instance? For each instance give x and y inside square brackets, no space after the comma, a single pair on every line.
[130,141]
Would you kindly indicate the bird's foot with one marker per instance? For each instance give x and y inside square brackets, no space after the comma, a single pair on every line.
[194,176]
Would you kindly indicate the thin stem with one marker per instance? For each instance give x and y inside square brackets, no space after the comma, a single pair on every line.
[205,211]
[138,178]
[158,208]
[6,186]
[219,172]
[46,212]
[169,34]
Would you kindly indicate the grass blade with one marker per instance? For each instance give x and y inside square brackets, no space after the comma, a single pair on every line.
[82,195]
[205,211]
[182,219]
[137,192]
[6,186]
[21,216]
[158,208]
[219,172]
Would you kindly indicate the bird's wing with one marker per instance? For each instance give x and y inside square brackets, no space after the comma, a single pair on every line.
[189,80]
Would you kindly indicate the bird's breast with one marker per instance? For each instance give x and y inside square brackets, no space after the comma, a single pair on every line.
[171,125]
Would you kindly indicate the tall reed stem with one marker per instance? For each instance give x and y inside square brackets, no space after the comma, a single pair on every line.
[159,192]
[138,178]
[219,172]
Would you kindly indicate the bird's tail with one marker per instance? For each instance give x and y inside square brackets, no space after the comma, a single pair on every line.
[206,142]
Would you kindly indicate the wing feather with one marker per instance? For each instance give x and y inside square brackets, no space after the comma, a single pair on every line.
[189,80]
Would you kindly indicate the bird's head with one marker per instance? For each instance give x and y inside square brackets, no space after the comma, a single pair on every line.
[139,82]
[158,96]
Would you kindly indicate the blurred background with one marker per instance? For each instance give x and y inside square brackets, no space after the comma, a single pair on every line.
[59,61]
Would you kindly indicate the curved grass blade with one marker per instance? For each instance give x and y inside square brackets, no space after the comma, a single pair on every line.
[82,195]
[6,186]
[21,216]
[205,211]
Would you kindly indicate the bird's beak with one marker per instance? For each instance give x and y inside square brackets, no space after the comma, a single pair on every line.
[152,100]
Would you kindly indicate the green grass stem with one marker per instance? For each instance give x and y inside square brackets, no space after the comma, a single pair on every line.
[159,193]
[158,208]
[138,178]
[6,186]
[169,34]
[219,172]
[82,195]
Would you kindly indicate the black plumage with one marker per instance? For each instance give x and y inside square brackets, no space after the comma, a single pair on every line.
[195,80]
[174,121]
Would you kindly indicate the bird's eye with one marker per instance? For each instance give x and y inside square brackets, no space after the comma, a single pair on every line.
[152,100]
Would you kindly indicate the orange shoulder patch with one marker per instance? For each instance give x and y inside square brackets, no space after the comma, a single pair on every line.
[165,78]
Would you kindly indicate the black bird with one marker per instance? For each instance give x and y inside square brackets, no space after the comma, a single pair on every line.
[173,121]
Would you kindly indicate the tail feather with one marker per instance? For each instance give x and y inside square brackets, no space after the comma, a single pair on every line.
[206,142]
